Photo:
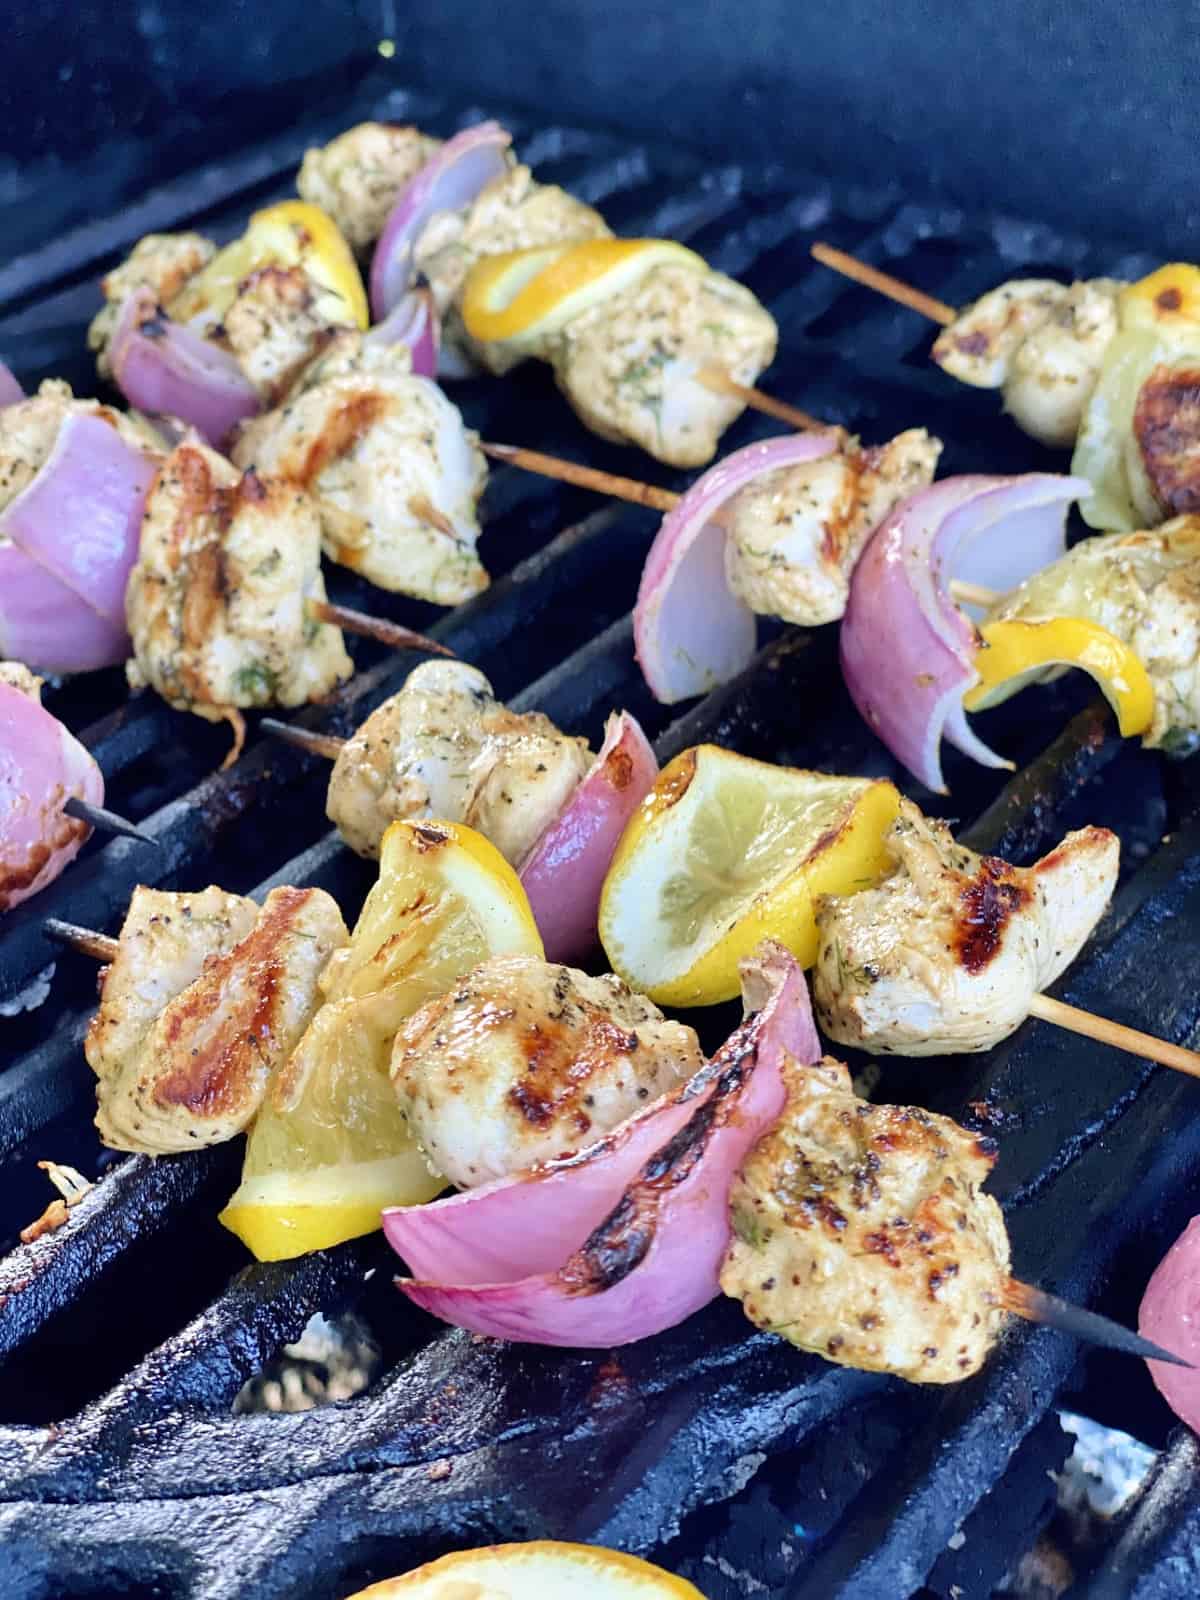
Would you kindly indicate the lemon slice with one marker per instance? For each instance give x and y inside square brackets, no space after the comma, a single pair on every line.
[1168,301]
[540,1570]
[724,852]
[530,294]
[330,1149]
[291,234]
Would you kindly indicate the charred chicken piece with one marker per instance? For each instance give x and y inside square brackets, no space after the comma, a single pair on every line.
[794,535]
[524,1061]
[444,746]
[629,365]
[397,476]
[162,262]
[947,953]
[216,604]
[1145,589]
[512,213]
[207,996]
[1042,342]
[358,176]
[861,1233]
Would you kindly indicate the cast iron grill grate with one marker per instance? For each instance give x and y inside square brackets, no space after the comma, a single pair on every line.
[126,1336]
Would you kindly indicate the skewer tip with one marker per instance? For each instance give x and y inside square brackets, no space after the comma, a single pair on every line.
[318,744]
[88,943]
[1036,1305]
[105,821]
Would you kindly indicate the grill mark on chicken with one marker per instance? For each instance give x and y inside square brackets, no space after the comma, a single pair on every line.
[560,1065]
[342,432]
[987,902]
[1166,425]
[214,1080]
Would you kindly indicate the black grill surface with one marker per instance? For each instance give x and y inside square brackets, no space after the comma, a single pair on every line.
[126,1335]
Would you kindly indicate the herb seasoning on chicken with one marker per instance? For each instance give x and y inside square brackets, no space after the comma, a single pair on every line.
[444,746]
[861,1233]
[524,1061]
[357,177]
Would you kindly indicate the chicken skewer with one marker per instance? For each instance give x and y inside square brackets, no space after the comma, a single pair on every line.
[650,495]
[457,1104]
[1035,1004]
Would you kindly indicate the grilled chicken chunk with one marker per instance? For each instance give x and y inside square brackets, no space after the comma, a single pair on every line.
[947,953]
[358,176]
[444,746]
[397,476]
[162,262]
[18,676]
[279,320]
[216,602]
[628,365]
[524,1061]
[1042,342]
[1145,588]
[29,430]
[794,535]
[512,213]
[207,996]
[861,1233]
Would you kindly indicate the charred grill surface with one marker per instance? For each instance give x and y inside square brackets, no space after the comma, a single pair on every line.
[126,1335]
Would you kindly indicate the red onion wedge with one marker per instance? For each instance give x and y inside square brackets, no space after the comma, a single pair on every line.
[1170,1316]
[907,649]
[460,169]
[80,517]
[47,626]
[10,390]
[656,1255]
[413,321]
[690,631]
[565,871]
[41,765]
[165,369]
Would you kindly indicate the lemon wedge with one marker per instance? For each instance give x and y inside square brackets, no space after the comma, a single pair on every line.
[291,234]
[329,1148]
[726,851]
[540,1570]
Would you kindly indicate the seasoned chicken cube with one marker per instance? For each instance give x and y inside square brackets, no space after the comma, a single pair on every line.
[948,952]
[445,747]
[861,1233]
[524,1061]
[29,430]
[216,602]
[1042,342]
[397,475]
[278,321]
[358,176]
[18,676]
[629,364]
[1145,589]
[162,262]
[794,535]
[207,997]
[511,213]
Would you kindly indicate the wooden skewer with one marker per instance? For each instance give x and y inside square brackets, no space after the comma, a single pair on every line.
[646,494]
[317,744]
[1035,1305]
[388,633]
[104,821]
[883,283]
[1117,1034]
[721,383]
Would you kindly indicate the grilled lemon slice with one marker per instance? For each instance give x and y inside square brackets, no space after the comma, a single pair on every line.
[540,1570]
[724,852]
[291,234]
[329,1149]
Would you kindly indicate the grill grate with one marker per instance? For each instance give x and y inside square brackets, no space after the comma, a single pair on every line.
[127,1335]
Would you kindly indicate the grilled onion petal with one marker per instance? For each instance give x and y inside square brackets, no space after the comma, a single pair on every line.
[907,649]
[47,626]
[10,390]
[166,369]
[413,321]
[655,1256]
[461,168]
[690,630]
[1170,1316]
[564,872]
